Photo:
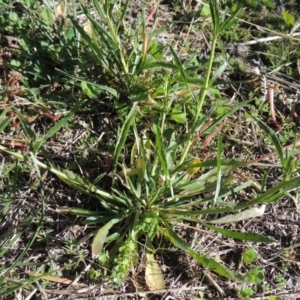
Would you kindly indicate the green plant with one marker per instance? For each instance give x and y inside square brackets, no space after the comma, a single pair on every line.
[119,52]
[156,188]
[281,280]
[250,255]
[168,118]
[275,298]
[245,293]
[255,276]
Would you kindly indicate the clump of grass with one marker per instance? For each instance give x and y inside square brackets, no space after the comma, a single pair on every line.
[159,176]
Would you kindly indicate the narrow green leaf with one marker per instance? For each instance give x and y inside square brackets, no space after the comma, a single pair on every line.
[264,181]
[244,236]
[232,19]
[30,135]
[9,289]
[202,259]
[227,114]
[219,71]
[173,238]
[87,38]
[213,163]
[14,154]
[216,267]
[123,14]
[219,173]
[160,150]
[161,64]
[107,38]
[5,122]
[204,188]
[85,187]
[6,244]
[214,10]
[185,213]
[27,221]
[99,9]
[123,134]
[178,65]
[36,167]
[75,211]
[135,189]
[111,91]
[272,194]
[58,125]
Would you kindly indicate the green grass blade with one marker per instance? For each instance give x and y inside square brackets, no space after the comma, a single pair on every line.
[6,244]
[30,135]
[107,89]
[178,65]
[214,11]
[209,177]
[14,154]
[123,134]
[188,214]
[212,163]
[273,194]
[100,11]
[106,38]
[9,288]
[202,259]
[4,121]
[39,143]
[219,71]
[216,267]
[160,65]
[227,114]
[219,173]
[75,211]
[173,238]
[244,236]
[87,39]
[160,150]
[123,14]
[204,188]
[58,125]
[232,19]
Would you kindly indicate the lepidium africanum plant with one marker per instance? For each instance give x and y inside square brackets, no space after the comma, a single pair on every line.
[158,186]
